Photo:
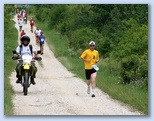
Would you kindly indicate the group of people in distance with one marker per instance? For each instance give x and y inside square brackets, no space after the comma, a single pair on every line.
[22,17]
[40,38]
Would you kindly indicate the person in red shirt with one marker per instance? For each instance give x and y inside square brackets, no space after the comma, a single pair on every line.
[17,11]
[32,22]
[18,16]
[26,15]
[22,33]
[25,18]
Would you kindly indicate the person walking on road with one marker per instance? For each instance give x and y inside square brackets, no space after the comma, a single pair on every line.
[25,18]
[20,24]
[32,22]
[42,39]
[17,11]
[37,33]
[90,57]
[22,33]
[18,16]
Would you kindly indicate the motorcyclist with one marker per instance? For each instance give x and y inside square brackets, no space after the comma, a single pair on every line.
[23,49]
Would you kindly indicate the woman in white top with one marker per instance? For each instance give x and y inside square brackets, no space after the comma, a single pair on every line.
[20,24]
[37,33]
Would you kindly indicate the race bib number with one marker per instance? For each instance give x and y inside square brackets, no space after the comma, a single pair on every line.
[42,40]
[32,21]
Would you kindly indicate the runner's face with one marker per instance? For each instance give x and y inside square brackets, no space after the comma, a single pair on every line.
[91,47]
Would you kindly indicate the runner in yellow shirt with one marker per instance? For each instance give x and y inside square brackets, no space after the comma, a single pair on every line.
[90,58]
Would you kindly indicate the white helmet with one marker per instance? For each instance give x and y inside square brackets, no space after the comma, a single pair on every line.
[92,43]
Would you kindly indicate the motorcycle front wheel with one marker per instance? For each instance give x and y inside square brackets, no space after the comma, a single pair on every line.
[25,85]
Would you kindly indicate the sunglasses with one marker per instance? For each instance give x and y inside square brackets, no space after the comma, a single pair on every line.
[92,45]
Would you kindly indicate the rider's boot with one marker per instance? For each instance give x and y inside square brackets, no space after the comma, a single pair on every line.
[19,80]
[32,80]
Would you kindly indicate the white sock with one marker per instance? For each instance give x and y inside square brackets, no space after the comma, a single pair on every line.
[93,91]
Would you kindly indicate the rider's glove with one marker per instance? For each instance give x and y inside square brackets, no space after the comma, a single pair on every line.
[14,58]
[38,58]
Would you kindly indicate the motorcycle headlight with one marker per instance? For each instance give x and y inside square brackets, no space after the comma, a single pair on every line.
[27,61]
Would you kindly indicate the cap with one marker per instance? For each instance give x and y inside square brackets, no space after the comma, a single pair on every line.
[92,43]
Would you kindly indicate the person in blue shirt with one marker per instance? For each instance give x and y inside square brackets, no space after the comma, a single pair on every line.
[42,39]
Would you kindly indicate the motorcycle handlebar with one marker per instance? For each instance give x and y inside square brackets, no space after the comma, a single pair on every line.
[15,57]
[35,58]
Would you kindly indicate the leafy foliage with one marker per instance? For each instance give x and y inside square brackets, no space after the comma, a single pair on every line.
[132,52]
[10,41]
[120,33]
[8,10]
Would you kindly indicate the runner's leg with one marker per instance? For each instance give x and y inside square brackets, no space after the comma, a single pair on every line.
[32,28]
[42,48]
[93,79]
[87,72]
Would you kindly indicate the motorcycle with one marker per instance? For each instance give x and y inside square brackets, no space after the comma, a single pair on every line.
[26,69]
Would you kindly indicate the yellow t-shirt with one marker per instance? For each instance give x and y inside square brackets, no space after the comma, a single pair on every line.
[90,55]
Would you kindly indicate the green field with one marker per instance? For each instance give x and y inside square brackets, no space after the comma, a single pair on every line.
[10,43]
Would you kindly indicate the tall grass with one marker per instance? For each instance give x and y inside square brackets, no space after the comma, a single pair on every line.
[10,43]
[111,84]
[107,79]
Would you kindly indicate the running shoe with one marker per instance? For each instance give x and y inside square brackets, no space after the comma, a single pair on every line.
[93,95]
[88,90]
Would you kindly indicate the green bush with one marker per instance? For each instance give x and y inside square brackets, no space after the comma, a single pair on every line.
[132,53]
[120,33]
[81,37]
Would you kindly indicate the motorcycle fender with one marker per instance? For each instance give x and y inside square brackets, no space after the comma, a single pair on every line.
[26,66]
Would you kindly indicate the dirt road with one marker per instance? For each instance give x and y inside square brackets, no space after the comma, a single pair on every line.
[59,92]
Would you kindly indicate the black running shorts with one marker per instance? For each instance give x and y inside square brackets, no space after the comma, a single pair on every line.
[88,73]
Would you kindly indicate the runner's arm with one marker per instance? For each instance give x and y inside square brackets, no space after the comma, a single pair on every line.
[86,60]
[83,57]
